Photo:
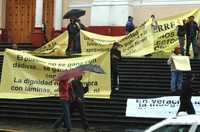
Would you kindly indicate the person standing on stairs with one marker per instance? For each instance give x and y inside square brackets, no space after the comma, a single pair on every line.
[186,95]
[176,76]
[115,59]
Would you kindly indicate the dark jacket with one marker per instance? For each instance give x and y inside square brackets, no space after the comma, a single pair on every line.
[185,98]
[115,56]
[191,29]
[181,31]
[78,89]
[73,30]
[130,26]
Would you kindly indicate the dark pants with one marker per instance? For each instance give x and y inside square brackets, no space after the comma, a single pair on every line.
[64,117]
[192,40]
[114,75]
[79,106]
[186,106]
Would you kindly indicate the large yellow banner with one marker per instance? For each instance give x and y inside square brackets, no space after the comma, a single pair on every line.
[27,76]
[55,47]
[165,39]
[137,43]
[142,41]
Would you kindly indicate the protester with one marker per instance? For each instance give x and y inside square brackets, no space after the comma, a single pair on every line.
[129,25]
[65,94]
[176,76]
[78,102]
[115,58]
[181,36]
[198,44]
[186,94]
[74,28]
[154,23]
[191,28]
[14,46]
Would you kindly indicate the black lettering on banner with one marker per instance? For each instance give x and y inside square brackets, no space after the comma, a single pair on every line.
[38,82]
[16,88]
[46,68]
[166,26]
[50,76]
[24,66]
[37,89]
[17,80]
[96,90]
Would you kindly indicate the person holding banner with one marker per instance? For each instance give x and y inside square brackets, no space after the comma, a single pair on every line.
[74,28]
[176,76]
[129,25]
[115,58]
[181,35]
[186,95]
[191,28]
[154,23]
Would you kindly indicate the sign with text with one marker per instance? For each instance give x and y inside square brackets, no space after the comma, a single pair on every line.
[182,63]
[162,107]
[27,76]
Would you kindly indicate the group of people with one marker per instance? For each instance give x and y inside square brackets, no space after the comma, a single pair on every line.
[130,26]
[189,32]
[71,94]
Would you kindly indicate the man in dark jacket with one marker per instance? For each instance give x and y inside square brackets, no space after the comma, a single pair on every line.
[115,59]
[186,95]
[78,102]
[181,36]
[191,29]
[73,29]
[129,25]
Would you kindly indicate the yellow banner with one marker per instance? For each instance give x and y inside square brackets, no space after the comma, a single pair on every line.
[27,76]
[136,43]
[165,39]
[55,47]
[182,63]
[92,43]
[142,41]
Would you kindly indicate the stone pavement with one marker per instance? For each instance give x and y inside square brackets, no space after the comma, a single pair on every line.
[27,125]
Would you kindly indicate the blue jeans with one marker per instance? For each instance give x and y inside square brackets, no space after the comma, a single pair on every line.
[66,119]
[176,80]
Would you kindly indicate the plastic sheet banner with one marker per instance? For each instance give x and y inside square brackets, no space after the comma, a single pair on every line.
[182,63]
[27,76]
[137,43]
[162,107]
[142,41]
[55,47]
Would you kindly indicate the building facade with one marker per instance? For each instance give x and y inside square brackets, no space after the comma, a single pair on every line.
[23,21]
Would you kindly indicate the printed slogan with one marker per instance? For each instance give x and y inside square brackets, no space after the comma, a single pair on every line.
[162,107]
[27,76]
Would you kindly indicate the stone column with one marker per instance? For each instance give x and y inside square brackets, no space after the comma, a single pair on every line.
[37,34]
[111,14]
[57,17]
